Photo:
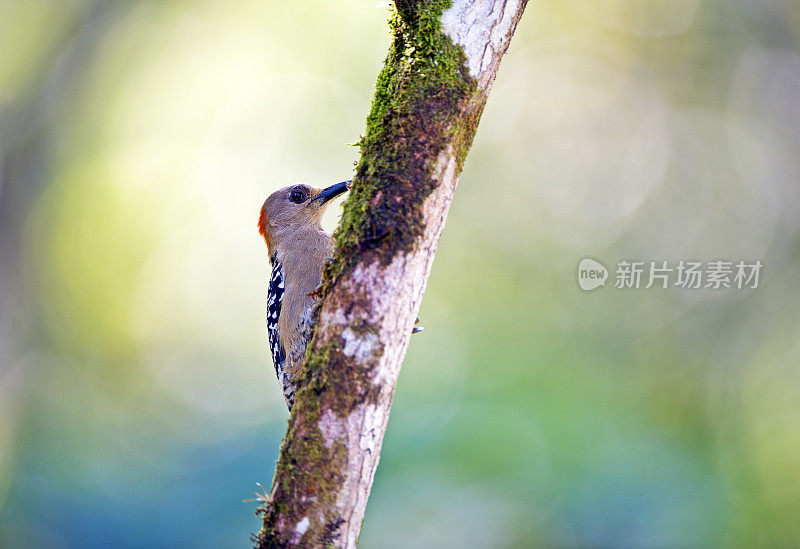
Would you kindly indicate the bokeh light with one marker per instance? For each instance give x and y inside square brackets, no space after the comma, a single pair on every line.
[138,405]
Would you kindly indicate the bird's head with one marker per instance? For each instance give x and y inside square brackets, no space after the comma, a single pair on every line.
[294,209]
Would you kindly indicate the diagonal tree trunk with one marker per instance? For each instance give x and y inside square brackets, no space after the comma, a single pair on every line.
[428,101]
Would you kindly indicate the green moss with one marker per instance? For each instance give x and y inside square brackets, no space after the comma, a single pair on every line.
[332,379]
[306,465]
[420,98]
[310,472]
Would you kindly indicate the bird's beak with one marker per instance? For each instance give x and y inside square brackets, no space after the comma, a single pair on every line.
[331,192]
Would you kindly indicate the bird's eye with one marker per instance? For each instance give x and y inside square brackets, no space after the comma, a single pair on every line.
[297,196]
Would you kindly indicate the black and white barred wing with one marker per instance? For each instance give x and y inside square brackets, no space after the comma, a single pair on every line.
[274,299]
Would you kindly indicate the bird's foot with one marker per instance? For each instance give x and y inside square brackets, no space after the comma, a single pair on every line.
[316,293]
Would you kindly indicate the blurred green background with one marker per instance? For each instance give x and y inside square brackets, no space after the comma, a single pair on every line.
[138,405]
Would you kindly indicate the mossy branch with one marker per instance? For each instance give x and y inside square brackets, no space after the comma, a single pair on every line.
[428,100]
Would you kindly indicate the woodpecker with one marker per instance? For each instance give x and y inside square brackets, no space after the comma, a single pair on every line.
[297,247]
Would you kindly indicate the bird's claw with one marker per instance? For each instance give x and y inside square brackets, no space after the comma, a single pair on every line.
[316,293]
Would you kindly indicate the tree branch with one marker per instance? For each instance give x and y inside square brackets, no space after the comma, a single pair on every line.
[428,101]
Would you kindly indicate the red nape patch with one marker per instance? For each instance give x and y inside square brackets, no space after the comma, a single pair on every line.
[262,227]
[262,223]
